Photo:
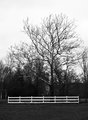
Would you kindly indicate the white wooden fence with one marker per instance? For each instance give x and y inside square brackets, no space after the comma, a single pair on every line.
[44,99]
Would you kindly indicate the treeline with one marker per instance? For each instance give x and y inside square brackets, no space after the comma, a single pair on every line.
[47,66]
[22,82]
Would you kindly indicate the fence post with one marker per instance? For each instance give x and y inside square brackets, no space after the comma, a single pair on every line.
[8,99]
[78,99]
[19,99]
[31,99]
[43,99]
[66,99]
[54,99]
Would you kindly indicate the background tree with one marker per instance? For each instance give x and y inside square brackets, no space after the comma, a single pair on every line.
[19,55]
[25,58]
[53,40]
[84,66]
[85,63]
[1,78]
[5,73]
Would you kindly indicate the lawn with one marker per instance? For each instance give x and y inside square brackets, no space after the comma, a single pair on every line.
[43,111]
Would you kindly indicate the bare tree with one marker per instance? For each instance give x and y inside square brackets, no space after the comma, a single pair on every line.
[1,78]
[4,71]
[25,57]
[53,40]
[85,70]
[83,63]
[19,55]
[1,70]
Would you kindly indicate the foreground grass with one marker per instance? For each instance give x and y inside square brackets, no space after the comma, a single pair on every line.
[43,111]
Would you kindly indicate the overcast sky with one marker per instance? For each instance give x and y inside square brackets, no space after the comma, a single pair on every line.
[13,12]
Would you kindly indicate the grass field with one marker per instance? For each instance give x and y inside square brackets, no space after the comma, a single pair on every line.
[43,111]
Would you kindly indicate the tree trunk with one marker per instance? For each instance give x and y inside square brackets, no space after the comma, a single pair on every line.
[66,84]
[52,83]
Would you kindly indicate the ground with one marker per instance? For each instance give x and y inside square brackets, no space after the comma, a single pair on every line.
[43,111]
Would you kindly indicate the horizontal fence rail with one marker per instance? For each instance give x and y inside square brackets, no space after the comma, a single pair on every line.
[44,99]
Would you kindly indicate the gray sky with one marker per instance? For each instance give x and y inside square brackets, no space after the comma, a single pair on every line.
[13,12]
